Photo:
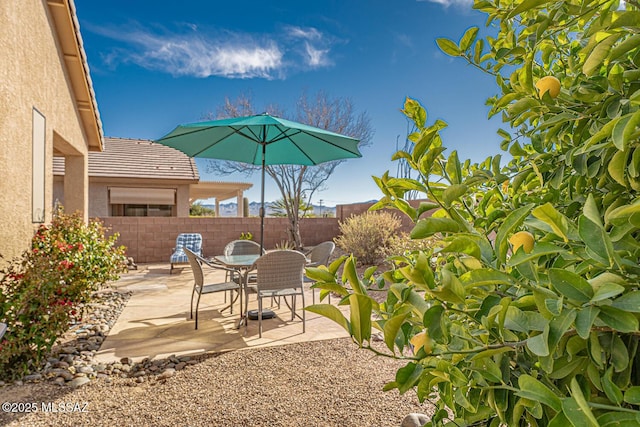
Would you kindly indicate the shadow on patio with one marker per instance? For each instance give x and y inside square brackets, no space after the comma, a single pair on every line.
[155,322]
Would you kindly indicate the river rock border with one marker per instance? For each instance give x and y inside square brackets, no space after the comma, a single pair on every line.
[71,362]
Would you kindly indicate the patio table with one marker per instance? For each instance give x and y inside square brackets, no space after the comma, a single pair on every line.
[240,263]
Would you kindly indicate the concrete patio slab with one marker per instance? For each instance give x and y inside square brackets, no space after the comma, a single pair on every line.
[155,322]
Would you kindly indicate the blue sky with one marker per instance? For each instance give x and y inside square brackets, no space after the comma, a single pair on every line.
[157,64]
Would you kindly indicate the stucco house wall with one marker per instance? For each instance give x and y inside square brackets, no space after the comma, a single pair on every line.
[37,43]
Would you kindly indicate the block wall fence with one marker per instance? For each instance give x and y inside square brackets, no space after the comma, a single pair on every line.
[150,239]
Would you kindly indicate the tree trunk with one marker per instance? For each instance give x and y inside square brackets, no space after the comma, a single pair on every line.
[294,231]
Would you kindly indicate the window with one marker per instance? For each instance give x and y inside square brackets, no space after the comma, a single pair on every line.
[141,210]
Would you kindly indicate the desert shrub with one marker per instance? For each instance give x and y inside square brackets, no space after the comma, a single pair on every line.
[40,292]
[530,314]
[198,209]
[401,244]
[367,236]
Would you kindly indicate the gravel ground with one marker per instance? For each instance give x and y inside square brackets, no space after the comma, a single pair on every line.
[324,383]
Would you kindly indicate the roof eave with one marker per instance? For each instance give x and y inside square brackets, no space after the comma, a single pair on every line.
[67,28]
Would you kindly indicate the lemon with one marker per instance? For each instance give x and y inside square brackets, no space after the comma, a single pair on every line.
[522,239]
[548,84]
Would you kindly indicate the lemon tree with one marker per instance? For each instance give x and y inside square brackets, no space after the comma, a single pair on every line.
[540,337]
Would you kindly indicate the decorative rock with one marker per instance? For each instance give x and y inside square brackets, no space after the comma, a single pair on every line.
[167,373]
[33,377]
[78,382]
[68,350]
[85,370]
[414,420]
[180,366]
[126,361]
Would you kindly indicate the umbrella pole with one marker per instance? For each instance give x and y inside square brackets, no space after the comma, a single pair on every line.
[264,149]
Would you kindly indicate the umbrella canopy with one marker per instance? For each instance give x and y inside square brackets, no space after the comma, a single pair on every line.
[261,140]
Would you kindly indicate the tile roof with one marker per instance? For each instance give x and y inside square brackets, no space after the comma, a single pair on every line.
[136,158]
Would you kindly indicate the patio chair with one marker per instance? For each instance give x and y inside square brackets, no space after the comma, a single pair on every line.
[241,247]
[200,287]
[319,255]
[191,241]
[279,274]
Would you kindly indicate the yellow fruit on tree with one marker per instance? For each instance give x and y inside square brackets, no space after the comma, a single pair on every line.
[522,239]
[548,84]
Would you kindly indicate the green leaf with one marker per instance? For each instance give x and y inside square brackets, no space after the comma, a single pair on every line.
[624,129]
[408,376]
[591,210]
[618,132]
[391,328]
[608,290]
[619,419]
[524,321]
[349,274]
[616,167]
[599,54]
[360,307]
[621,321]
[331,312]
[539,344]
[622,214]
[448,46]
[559,326]
[429,226]
[463,245]
[611,390]
[453,168]
[558,222]
[451,289]
[485,277]
[539,249]
[577,409]
[525,6]
[596,239]
[320,274]
[560,420]
[510,224]
[411,297]
[453,193]
[619,354]
[468,38]
[632,395]
[531,388]
[628,302]
[432,320]
[571,285]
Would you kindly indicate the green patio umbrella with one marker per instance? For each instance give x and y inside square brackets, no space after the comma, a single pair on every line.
[261,140]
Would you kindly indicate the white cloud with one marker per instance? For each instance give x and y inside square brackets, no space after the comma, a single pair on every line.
[304,33]
[226,54]
[316,47]
[317,57]
[447,3]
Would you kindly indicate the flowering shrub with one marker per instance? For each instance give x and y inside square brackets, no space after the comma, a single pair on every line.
[40,292]
[368,235]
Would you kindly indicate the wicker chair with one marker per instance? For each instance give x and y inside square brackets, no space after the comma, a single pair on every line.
[279,274]
[241,247]
[191,241]
[319,255]
[200,287]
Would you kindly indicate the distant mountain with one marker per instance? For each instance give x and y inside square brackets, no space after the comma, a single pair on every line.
[230,209]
